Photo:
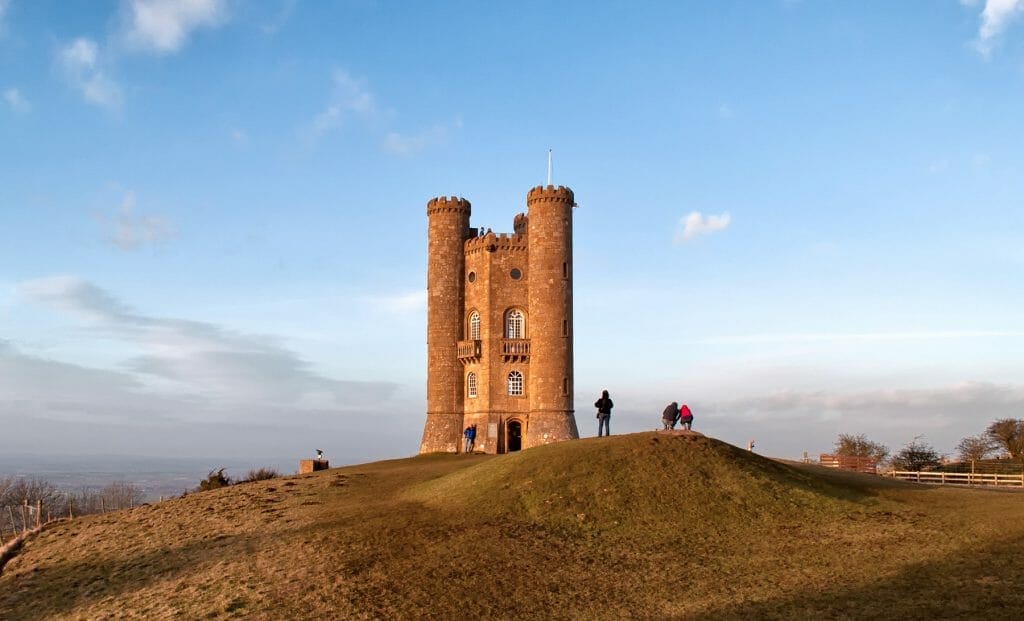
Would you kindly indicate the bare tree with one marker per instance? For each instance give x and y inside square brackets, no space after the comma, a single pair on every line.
[916,456]
[849,445]
[975,448]
[120,495]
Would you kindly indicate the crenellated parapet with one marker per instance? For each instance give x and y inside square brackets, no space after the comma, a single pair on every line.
[448,204]
[550,194]
[493,242]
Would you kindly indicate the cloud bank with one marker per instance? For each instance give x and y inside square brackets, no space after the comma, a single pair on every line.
[205,362]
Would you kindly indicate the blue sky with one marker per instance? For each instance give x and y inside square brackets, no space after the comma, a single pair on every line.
[801,218]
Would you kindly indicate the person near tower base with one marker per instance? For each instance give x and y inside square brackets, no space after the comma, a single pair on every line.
[470,435]
[604,407]
[669,416]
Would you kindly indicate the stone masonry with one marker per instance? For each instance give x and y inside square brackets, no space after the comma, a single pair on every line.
[499,326]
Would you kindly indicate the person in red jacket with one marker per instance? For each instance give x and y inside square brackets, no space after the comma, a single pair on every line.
[685,417]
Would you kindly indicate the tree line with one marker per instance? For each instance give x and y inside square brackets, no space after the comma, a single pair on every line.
[20,498]
[1005,436]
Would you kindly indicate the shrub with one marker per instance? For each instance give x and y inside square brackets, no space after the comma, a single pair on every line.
[214,480]
[261,474]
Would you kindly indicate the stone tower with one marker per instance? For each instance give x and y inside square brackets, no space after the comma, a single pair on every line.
[499,326]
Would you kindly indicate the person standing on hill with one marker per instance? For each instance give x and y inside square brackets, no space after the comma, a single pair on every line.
[604,407]
[685,417]
[669,416]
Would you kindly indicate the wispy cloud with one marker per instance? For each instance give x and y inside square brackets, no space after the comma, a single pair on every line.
[4,5]
[350,96]
[84,69]
[411,144]
[995,16]
[400,303]
[204,360]
[695,224]
[17,101]
[164,26]
[129,230]
[859,336]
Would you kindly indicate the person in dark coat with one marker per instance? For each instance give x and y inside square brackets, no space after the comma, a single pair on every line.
[604,407]
[469,434]
[685,417]
[669,416]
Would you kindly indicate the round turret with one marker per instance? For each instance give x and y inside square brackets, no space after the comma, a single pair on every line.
[549,230]
[447,230]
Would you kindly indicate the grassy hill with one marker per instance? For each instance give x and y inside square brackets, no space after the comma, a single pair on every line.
[641,526]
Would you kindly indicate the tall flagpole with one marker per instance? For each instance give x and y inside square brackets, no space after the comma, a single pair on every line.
[549,166]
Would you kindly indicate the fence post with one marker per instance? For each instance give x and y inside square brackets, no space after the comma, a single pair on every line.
[14,526]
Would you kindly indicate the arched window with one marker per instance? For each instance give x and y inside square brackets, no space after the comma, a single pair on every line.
[474,326]
[515,383]
[471,384]
[515,324]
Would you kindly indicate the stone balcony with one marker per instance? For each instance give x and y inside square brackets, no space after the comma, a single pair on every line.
[515,350]
[468,350]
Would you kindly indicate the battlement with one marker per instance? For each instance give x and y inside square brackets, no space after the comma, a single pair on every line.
[495,241]
[448,204]
[550,194]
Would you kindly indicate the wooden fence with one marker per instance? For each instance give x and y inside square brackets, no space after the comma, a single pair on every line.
[844,462]
[959,478]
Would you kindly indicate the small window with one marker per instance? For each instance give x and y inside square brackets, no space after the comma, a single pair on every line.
[565,385]
[515,324]
[515,383]
[471,277]
[471,385]
[565,269]
[474,326]
[565,327]
[515,273]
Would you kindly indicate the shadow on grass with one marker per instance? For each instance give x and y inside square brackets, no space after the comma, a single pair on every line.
[43,591]
[981,584]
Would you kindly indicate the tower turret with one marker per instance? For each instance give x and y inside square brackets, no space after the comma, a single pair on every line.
[448,229]
[549,222]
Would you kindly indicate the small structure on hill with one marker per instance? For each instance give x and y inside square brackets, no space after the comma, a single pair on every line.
[499,326]
[312,465]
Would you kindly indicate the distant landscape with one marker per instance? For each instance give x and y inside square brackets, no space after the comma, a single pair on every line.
[154,476]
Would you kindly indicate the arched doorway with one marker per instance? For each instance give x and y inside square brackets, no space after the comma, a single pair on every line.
[515,436]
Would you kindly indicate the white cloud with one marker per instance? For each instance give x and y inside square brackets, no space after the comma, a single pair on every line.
[82,65]
[129,229]
[995,17]
[163,26]
[17,101]
[696,224]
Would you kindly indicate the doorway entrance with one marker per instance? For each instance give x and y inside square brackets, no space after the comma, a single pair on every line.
[515,436]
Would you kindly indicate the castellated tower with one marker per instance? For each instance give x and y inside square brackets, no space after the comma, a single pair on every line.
[499,326]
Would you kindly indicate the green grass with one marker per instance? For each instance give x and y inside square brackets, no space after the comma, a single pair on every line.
[640,526]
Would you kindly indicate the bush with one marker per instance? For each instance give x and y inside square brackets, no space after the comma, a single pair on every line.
[261,474]
[214,480]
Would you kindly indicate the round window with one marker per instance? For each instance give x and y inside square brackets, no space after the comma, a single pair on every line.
[515,273]
[471,277]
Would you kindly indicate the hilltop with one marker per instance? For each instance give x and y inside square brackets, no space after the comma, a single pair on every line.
[646,525]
